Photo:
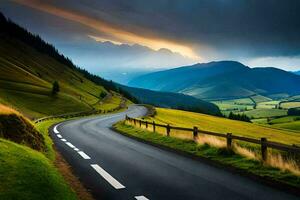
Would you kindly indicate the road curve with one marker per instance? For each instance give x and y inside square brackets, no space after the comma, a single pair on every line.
[113,166]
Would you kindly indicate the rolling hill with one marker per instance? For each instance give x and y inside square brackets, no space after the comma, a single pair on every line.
[29,66]
[220,80]
[172,100]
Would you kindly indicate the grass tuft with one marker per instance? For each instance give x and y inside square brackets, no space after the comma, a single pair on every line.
[211,141]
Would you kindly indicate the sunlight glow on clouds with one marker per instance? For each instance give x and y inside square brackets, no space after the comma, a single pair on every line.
[101,39]
[118,35]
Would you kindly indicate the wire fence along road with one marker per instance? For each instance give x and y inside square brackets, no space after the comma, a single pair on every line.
[263,142]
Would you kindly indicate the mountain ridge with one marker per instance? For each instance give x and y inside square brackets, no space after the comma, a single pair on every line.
[213,80]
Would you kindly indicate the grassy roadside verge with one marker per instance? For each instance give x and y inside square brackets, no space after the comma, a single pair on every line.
[43,127]
[59,163]
[219,156]
[28,174]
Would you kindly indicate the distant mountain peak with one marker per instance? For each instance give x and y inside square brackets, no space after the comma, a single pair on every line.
[220,79]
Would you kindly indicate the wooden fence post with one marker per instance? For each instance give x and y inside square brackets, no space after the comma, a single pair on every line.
[146,124]
[153,126]
[229,141]
[264,149]
[134,121]
[195,133]
[140,123]
[168,130]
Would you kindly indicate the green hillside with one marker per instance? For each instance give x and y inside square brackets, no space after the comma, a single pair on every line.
[172,100]
[27,75]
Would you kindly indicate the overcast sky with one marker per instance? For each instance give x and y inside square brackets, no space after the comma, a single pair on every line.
[108,34]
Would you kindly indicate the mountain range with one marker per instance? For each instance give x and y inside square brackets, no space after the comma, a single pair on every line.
[220,80]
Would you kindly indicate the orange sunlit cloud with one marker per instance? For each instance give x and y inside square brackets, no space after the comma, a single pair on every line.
[101,39]
[120,36]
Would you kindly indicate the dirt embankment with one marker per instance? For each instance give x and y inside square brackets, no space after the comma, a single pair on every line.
[15,127]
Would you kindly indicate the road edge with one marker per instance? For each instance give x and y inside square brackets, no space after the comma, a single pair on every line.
[67,172]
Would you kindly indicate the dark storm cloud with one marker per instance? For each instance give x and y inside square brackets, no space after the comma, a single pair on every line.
[215,29]
[260,28]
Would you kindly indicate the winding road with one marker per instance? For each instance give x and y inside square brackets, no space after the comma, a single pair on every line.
[113,166]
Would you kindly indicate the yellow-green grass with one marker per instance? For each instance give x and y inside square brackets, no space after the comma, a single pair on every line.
[285,119]
[220,155]
[263,121]
[26,79]
[29,175]
[267,104]
[110,103]
[235,104]
[222,125]
[292,104]
[264,113]
[290,125]
[39,105]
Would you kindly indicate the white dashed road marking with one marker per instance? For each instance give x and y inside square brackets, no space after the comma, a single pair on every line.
[55,129]
[70,145]
[116,184]
[64,140]
[141,198]
[76,149]
[59,136]
[83,155]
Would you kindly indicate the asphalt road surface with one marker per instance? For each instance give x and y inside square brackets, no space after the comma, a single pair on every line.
[113,166]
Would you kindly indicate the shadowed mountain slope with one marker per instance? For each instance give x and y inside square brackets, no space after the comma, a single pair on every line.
[217,80]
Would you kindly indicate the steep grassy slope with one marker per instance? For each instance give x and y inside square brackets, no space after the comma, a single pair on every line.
[26,82]
[223,125]
[221,80]
[29,67]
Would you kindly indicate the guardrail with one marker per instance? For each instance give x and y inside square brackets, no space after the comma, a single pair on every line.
[263,142]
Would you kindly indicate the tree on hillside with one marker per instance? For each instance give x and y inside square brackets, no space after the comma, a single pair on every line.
[239,117]
[294,111]
[102,94]
[55,88]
